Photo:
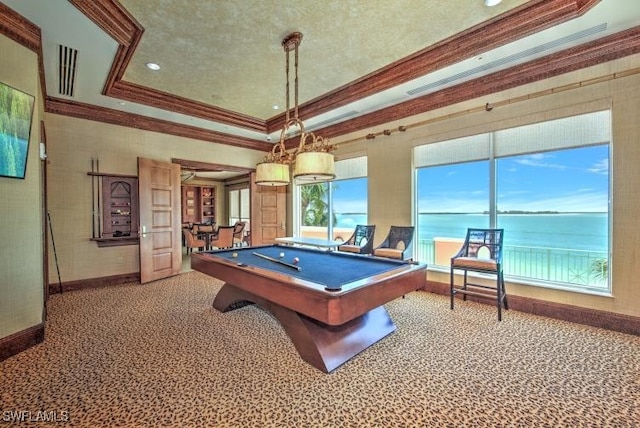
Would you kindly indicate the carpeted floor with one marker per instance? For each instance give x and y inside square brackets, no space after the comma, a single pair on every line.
[158,355]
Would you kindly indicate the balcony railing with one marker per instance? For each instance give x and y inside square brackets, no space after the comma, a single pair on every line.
[584,269]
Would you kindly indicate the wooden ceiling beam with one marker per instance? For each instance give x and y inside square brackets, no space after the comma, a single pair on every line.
[212,167]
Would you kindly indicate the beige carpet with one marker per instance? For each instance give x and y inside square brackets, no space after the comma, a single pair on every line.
[158,355]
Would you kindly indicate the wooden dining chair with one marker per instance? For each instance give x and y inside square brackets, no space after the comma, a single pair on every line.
[192,242]
[224,238]
[238,233]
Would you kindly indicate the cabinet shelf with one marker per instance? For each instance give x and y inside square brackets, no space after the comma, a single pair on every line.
[115,209]
[198,204]
[120,194]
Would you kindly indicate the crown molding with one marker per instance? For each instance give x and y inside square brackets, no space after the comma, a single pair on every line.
[117,117]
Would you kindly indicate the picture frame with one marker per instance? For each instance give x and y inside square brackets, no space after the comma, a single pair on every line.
[16,117]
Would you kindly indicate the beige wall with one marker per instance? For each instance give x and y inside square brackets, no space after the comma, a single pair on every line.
[390,164]
[21,234]
[72,143]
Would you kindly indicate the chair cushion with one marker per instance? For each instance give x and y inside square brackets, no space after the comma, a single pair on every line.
[350,248]
[391,253]
[474,263]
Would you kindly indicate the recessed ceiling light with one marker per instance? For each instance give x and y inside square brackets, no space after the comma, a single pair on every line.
[492,2]
[152,66]
[275,107]
[122,103]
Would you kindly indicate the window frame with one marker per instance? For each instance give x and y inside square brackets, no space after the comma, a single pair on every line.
[493,155]
[346,169]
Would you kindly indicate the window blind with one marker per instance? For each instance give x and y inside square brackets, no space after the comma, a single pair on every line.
[465,149]
[351,168]
[575,131]
[234,205]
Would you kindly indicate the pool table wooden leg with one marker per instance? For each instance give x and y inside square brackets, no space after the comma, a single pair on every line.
[324,347]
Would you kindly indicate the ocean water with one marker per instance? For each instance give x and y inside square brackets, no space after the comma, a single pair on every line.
[576,231]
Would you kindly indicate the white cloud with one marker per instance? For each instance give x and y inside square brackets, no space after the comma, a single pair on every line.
[538,160]
[600,167]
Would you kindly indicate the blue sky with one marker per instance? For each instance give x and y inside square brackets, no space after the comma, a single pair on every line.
[573,180]
[350,196]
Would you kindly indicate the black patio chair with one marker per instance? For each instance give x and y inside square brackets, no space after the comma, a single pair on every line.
[361,242]
[398,244]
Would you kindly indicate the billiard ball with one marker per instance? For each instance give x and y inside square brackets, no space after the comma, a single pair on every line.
[234,255]
[296,260]
[281,255]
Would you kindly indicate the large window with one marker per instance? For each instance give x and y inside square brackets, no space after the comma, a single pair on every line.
[546,184]
[334,209]
[239,205]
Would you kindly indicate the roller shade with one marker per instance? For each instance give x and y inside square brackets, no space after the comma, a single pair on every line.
[575,131]
[351,168]
[466,149]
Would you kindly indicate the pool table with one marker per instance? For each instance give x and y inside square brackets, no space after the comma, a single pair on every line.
[329,303]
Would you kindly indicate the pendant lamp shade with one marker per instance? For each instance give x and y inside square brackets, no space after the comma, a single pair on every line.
[314,167]
[272,174]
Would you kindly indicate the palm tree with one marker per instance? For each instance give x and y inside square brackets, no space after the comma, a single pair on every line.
[314,204]
[600,269]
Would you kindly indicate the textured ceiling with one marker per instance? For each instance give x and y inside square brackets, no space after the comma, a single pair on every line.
[228,53]
[363,63]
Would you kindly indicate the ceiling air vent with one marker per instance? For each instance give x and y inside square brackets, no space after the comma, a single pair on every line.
[332,120]
[509,60]
[67,63]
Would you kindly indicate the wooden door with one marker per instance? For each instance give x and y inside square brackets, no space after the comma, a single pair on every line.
[160,232]
[268,213]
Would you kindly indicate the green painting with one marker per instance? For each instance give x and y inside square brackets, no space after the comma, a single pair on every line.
[16,110]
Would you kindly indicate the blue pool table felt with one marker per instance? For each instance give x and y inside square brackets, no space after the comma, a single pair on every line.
[331,269]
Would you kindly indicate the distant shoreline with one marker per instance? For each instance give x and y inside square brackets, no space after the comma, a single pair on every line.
[520,212]
[499,212]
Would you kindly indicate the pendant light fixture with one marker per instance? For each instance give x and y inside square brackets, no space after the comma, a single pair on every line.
[312,160]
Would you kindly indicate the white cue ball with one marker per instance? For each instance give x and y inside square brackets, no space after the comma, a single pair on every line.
[281,255]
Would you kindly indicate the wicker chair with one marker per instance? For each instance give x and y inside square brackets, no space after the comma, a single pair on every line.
[361,241]
[481,252]
[398,244]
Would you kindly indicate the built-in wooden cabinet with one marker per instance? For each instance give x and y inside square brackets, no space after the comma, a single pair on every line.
[114,209]
[120,209]
[190,204]
[199,204]
[208,204]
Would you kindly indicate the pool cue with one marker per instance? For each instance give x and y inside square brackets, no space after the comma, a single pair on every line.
[292,266]
[93,201]
[55,253]
[99,196]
